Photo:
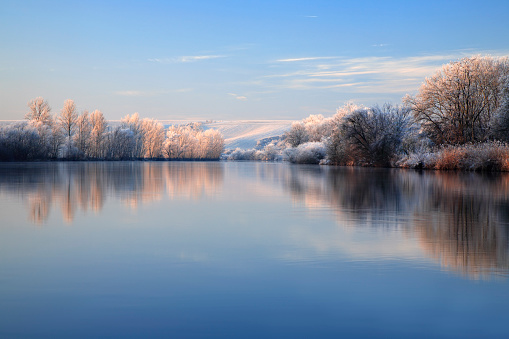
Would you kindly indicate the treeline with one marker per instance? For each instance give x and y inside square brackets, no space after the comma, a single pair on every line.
[459,119]
[88,136]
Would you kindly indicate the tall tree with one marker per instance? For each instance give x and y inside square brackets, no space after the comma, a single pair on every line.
[97,135]
[458,103]
[39,111]
[83,131]
[68,118]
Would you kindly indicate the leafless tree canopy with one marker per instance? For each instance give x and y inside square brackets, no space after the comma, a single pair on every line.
[458,103]
[39,111]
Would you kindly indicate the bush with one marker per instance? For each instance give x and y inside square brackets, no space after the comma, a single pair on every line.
[488,156]
[371,136]
[308,153]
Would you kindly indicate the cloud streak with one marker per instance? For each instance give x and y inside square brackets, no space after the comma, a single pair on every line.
[380,75]
[238,97]
[185,59]
[305,59]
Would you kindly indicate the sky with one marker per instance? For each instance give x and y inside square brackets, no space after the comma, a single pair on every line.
[234,60]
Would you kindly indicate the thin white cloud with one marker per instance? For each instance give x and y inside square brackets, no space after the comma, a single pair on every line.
[238,97]
[311,16]
[366,75]
[305,59]
[199,58]
[184,59]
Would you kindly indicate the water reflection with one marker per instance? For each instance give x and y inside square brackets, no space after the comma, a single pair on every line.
[85,186]
[459,219]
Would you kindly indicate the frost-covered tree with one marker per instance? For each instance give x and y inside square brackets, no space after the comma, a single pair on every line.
[191,142]
[500,124]
[68,118]
[181,142]
[97,134]
[334,141]
[296,135]
[134,124]
[457,104]
[82,135]
[317,127]
[370,136]
[20,142]
[39,111]
[153,138]
[121,144]
[211,144]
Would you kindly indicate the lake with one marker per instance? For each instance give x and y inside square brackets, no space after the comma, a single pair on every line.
[243,249]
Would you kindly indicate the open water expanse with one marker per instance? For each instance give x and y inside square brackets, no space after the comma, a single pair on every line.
[241,249]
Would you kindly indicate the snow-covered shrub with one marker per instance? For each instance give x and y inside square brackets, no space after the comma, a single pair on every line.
[269,153]
[241,154]
[308,153]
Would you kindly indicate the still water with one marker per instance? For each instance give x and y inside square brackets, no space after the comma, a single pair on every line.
[222,249]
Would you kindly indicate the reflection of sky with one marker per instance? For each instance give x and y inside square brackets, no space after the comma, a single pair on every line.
[234,251]
[295,213]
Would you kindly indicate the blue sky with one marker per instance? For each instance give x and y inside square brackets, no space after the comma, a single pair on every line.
[227,60]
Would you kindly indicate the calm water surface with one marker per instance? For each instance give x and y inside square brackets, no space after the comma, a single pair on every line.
[184,249]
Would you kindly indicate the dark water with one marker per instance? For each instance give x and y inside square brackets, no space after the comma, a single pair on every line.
[251,250]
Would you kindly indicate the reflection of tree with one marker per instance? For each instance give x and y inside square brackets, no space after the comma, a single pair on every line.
[193,180]
[459,218]
[39,208]
[462,225]
[82,186]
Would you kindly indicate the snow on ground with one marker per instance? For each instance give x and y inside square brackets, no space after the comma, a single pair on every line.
[245,133]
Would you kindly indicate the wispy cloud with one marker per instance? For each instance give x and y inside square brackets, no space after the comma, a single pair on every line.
[359,75]
[188,58]
[311,16]
[238,97]
[305,59]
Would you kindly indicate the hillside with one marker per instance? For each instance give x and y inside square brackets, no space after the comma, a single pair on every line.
[245,133]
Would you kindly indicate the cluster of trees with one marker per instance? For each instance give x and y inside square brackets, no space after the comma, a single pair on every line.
[465,103]
[75,136]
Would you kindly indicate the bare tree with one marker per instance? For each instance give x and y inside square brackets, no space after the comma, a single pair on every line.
[68,118]
[39,111]
[370,136]
[153,132]
[191,142]
[97,135]
[83,130]
[457,104]
[297,134]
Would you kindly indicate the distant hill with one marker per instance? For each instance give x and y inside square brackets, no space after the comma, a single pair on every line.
[245,133]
